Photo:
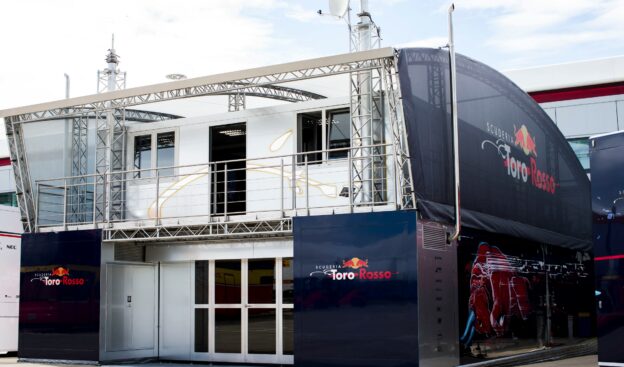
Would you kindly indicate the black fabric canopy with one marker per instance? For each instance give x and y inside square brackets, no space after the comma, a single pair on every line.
[519,175]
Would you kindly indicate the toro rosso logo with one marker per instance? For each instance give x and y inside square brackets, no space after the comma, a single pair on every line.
[517,167]
[57,277]
[351,269]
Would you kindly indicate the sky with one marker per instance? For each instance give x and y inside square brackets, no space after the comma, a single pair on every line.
[42,39]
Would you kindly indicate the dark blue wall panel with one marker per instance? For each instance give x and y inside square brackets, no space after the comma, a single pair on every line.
[60,295]
[607,171]
[356,322]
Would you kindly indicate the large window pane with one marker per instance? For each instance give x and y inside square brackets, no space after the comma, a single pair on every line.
[288,331]
[201,282]
[143,154]
[310,137]
[228,330]
[228,281]
[8,198]
[165,152]
[262,281]
[339,135]
[262,331]
[201,330]
[287,281]
[581,149]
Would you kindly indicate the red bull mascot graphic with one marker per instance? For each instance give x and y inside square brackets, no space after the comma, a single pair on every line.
[497,293]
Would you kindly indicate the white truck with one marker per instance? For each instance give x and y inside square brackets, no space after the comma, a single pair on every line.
[10,242]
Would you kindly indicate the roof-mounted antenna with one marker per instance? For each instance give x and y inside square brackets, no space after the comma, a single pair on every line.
[111,78]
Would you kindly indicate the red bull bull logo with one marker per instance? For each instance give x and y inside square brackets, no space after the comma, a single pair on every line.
[355,263]
[60,271]
[525,141]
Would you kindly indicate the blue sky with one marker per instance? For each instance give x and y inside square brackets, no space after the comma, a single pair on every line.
[43,39]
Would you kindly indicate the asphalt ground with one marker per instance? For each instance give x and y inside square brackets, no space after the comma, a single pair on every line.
[11,361]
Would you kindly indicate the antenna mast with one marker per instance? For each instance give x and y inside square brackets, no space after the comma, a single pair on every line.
[367,125]
[111,79]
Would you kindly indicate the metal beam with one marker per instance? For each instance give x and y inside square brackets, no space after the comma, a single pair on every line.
[19,162]
[207,231]
[209,85]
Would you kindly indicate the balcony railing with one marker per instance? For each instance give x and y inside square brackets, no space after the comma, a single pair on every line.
[256,188]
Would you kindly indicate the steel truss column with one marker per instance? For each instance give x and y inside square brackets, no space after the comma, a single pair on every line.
[78,185]
[236,102]
[109,161]
[19,162]
[402,164]
[366,130]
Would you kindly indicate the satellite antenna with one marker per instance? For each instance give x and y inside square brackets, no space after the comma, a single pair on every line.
[338,8]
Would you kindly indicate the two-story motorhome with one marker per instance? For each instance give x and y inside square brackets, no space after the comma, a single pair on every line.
[315,221]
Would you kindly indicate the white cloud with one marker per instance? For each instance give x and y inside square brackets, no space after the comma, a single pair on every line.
[425,42]
[44,39]
[548,26]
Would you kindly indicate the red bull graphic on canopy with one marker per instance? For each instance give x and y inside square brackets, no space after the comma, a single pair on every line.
[518,167]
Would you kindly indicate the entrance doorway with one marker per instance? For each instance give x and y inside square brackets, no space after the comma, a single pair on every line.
[239,311]
[228,143]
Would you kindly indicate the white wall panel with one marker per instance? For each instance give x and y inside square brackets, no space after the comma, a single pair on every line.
[587,119]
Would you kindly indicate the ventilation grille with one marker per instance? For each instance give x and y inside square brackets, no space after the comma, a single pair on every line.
[434,237]
[129,252]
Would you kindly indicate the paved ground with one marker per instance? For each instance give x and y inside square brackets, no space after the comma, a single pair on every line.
[589,361]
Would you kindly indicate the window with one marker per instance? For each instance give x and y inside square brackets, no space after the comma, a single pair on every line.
[323,130]
[143,154]
[156,150]
[339,134]
[165,153]
[581,149]
[8,199]
[311,132]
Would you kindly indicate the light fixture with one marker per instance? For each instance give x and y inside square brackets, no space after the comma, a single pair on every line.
[175,76]
[232,132]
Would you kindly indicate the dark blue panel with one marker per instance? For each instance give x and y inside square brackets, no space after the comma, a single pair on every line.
[607,171]
[519,175]
[370,320]
[60,295]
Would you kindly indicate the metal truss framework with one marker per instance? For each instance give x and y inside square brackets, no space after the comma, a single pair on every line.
[208,231]
[77,195]
[110,158]
[377,71]
[19,162]
[236,102]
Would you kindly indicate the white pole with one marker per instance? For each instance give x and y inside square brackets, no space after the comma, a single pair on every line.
[453,72]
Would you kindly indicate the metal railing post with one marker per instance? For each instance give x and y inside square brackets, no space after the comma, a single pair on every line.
[225,192]
[307,186]
[350,171]
[213,171]
[94,201]
[395,178]
[37,207]
[293,179]
[157,219]
[65,204]
[282,188]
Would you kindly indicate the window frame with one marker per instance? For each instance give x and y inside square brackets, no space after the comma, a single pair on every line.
[154,151]
[325,129]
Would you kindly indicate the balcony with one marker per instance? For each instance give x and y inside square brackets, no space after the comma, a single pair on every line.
[250,198]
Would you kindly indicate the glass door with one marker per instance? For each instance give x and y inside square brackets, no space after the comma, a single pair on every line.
[240,314]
